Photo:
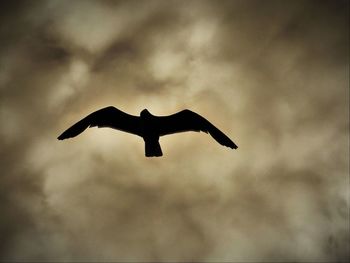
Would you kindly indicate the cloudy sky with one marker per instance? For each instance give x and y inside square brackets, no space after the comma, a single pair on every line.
[273,75]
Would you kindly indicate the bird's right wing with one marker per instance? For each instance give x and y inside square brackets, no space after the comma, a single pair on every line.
[187,120]
[107,117]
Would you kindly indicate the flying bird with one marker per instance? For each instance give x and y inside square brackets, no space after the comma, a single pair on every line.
[148,126]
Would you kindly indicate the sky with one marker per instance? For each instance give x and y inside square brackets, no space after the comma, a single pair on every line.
[272,75]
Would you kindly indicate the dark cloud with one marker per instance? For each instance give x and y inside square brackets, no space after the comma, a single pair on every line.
[273,75]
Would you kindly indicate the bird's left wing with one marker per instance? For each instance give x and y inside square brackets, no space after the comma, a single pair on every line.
[187,120]
[107,117]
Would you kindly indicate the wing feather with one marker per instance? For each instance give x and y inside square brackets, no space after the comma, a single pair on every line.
[187,120]
[107,117]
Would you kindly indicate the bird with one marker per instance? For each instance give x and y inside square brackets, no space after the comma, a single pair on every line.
[148,126]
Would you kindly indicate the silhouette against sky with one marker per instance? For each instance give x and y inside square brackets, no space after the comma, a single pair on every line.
[273,75]
[148,126]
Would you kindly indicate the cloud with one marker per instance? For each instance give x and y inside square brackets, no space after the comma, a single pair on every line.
[273,76]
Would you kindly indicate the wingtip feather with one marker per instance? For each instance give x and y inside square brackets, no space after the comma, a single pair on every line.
[231,145]
[62,137]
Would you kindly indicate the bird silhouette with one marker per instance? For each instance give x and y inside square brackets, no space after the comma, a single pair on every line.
[148,126]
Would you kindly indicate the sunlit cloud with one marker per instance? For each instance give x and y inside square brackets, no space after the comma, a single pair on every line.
[273,76]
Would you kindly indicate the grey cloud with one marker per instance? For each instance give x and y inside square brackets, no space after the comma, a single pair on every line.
[273,75]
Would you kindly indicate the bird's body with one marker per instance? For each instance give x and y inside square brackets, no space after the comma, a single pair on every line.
[148,126]
[150,134]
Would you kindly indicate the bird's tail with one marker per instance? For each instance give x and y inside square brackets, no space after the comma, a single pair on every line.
[152,148]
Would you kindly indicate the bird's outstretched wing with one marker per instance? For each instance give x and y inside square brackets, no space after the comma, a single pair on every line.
[187,120]
[107,117]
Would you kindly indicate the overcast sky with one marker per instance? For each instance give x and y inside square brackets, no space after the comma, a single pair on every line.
[272,75]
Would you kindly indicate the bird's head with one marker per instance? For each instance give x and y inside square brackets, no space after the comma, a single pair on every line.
[145,113]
